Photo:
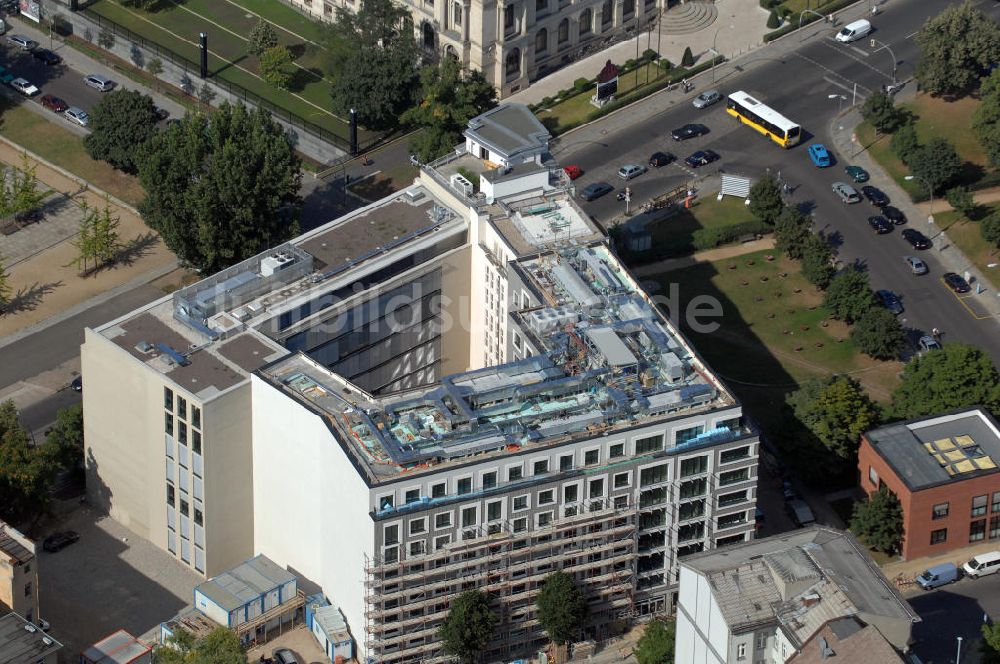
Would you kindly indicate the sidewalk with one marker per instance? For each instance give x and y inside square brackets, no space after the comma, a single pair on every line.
[910,569]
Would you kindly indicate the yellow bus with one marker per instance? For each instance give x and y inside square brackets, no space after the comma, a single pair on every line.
[766,120]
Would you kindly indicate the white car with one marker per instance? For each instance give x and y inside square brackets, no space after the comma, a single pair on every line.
[77,115]
[24,87]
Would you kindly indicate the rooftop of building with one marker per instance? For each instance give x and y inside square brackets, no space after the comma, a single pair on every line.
[14,546]
[21,641]
[847,640]
[508,129]
[608,361]
[118,648]
[940,449]
[799,581]
[245,583]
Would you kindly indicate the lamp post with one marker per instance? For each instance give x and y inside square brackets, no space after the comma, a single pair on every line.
[840,105]
[882,45]
[715,52]
[930,210]
[958,653]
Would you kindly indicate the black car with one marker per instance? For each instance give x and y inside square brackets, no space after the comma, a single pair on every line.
[595,190]
[59,541]
[894,215]
[890,301]
[701,158]
[880,225]
[875,196]
[917,239]
[658,159]
[956,282]
[688,131]
[46,56]
[77,384]
[161,114]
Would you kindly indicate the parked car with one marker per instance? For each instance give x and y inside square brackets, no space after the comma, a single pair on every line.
[25,43]
[54,103]
[59,541]
[98,82]
[916,239]
[706,99]
[658,159]
[890,301]
[917,266]
[847,193]
[926,344]
[856,173]
[78,115]
[161,113]
[875,196]
[688,131]
[819,155]
[956,282]
[595,190]
[46,56]
[701,158]
[629,171]
[894,215]
[24,87]
[77,384]
[284,656]
[573,171]
[800,513]
[880,224]
[983,564]
[939,575]
[788,491]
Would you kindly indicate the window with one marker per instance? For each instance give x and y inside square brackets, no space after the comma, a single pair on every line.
[996,502]
[940,511]
[494,510]
[690,510]
[939,536]
[196,441]
[416,548]
[442,520]
[694,466]
[520,503]
[520,525]
[684,435]
[729,541]
[168,423]
[732,519]
[168,399]
[978,506]
[418,526]
[457,14]
[390,534]
[735,454]
[542,41]
[566,462]
[607,11]
[649,444]
[590,457]
[741,649]
[728,499]
[182,408]
[621,502]
[514,474]
[653,475]
[468,517]
[564,31]
[182,433]
[596,488]
[412,496]
[617,450]
[385,501]
[734,476]
[541,467]
[545,497]
[693,488]
[586,18]
[195,416]
[391,554]
[761,641]
[170,495]
[27,589]
[544,519]
[464,485]
[622,480]
[185,508]
[512,65]
[872,475]
[977,530]
[994,527]
[490,479]
[540,5]
[441,542]
[439,490]
[199,518]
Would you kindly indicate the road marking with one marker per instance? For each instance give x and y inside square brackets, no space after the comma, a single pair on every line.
[831,72]
[847,88]
[910,36]
[963,299]
[860,61]
[860,51]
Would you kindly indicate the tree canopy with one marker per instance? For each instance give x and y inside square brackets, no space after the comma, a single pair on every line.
[273,64]
[817,261]
[956,376]
[989,647]
[956,47]
[878,521]
[562,608]
[220,646]
[765,199]
[221,187]
[656,645]
[791,232]
[121,125]
[262,37]
[449,99]
[67,435]
[372,59]
[837,411]
[989,228]
[26,470]
[986,117]
[849,296]
[880,110]
[467,630]
[879,334]
[936,163]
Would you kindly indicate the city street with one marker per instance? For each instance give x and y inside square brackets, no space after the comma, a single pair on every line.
[952,611]
[799,85]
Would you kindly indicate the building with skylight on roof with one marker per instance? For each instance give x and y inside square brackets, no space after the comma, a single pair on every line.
[944,470]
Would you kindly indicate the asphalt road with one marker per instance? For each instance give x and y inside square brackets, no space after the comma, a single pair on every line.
[799,86]
[952,611]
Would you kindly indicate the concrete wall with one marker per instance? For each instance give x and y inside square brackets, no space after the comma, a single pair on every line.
[456,320]
[15,577]
[702,633]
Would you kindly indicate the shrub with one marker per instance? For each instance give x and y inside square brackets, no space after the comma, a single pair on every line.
[581,84]
[665,64]
[773,22]
[879,334]
[649,55]
[849,296]
[687,60]
[817,259]
[905,143]
[708,238]
[546,102]
[961,199]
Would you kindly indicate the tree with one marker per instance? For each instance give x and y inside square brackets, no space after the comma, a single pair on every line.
[26,470]
[960,198]
[773,21]
[469,626]
[956,376]
[155,68]
[765,199]
[262,37]
[67,436]
[791,232]
[372,59]
[272,66]
[121,125]
[989,647]
[25,195]
[956,45]
[687,60]
[221,187]
[562,608]
[837,411]
[656,645]
[879,334]
[878,521]
[206,94]
[881,112]
[986,117]
[140,4]
[5,289]
[989,228]
[936,163]
[106,39]
[904,142]
[848,297]
[817,261]
[450,98]
[220,646]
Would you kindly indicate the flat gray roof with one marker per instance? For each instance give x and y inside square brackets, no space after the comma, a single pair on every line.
[19,645]
[508,129]
[245,583]
[118,648]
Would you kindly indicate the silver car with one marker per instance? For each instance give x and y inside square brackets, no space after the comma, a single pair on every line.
[23,42]
[284,656]
[847,193]
[24,87]
[98,82]
[77,115]
[917,266]
[629,171]
[706,99]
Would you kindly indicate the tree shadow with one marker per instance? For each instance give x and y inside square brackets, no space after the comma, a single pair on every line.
[324,203]
[969,174]
[28,299]
[297,50]
[834,239]
[372,189]
[137,248]
[227,65]
[301,78]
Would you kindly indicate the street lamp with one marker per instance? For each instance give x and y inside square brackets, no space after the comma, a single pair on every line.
[930,190]
[882,45]
[840,104]
[715,52]
[958,654]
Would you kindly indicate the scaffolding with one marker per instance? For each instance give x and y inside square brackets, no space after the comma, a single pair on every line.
[407,599]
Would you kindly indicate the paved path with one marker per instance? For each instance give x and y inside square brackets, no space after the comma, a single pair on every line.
[983,197]
[707,256]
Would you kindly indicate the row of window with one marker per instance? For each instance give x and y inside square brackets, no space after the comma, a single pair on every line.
[941,510]
[180,408]
[977,531]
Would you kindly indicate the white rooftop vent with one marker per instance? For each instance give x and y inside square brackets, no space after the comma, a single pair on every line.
[30,628]
[46,640]
[459,182]
[145,347]
[254,308]
[275,263]
[414,194]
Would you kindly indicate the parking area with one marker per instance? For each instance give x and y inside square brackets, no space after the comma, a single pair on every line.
[110,579]
[299,640]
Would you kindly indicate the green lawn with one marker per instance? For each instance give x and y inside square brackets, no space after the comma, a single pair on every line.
[966,236]
[673,236]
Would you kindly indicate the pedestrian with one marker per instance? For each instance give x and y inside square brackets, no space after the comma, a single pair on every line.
[936,333]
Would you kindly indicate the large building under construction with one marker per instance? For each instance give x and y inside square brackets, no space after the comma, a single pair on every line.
[448,389]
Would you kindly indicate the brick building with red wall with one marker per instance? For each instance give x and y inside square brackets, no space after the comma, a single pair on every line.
[945,470]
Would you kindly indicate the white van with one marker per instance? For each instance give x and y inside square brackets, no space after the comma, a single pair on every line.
[854,31]
[983,564]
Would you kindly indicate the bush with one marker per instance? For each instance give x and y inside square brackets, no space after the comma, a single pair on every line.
[905,143]
[665,64]
[961,199]
[649,55]
[629,64]
[688,58]
[881,112]
[581,84]
[773,22]
[708,238]
[546,102]
[817,259]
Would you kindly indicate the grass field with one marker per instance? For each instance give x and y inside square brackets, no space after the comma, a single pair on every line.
[966,236]
[673,236]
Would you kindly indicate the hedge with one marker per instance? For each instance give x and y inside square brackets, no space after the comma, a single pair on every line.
[709,238]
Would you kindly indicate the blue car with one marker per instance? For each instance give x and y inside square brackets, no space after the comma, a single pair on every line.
[820,157]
